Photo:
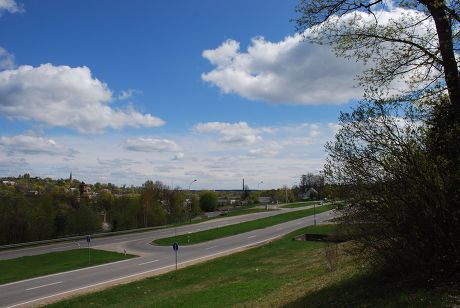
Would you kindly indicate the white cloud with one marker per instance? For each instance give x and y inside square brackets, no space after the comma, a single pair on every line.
[289,71]
[178,156]
[66,97]
[10,6]
[127,94]
[6,59]
[232,133]
[269,149]
[295,71]
[286,151]
[32,145]
[151,145]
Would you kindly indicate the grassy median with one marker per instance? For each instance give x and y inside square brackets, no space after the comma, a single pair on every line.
[282,273]
[300,204]
[212,234]
[54,262]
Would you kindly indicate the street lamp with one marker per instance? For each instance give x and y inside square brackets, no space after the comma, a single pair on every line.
[190,208]
[314,213]
[259,184]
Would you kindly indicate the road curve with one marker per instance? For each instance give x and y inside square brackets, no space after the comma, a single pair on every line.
[154,260]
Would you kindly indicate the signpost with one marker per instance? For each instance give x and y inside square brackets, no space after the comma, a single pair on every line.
[88,241]
[176,248]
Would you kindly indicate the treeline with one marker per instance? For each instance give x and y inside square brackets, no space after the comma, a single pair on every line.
[59,211]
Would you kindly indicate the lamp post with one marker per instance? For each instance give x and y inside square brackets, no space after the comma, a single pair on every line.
[314,213]
[258,185]
[190,209]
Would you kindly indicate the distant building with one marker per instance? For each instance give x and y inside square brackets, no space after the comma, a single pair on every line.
[264,200]
[309,194]
[85,190]
[8,183]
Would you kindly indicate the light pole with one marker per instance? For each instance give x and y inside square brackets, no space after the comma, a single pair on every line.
[285,190]
[190,209]
[258,185]
[314,213]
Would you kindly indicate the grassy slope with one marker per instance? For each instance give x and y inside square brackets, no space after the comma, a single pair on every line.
[212,234]
[282,273]
[34,266]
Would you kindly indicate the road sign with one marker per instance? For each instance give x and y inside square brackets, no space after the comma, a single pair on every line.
[88,239]
[176,248]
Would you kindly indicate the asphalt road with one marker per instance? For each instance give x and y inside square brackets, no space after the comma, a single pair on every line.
[152,260]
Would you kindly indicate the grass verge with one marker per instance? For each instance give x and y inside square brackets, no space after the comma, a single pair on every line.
[239,212]
[282,273]
[212,234]
[299,204]
[54,262]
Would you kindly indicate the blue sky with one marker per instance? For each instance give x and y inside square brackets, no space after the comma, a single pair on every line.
[162,90]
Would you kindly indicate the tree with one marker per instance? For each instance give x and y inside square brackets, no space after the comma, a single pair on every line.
[419,39]
[195,205]
[314,181]
[208,201]
[396,159]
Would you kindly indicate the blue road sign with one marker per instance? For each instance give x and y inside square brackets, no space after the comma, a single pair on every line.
[88,239]
[175,246]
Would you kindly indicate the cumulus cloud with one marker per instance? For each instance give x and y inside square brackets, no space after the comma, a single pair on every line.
[151,145]
[10,6]
[64,96]
[298,72]
[232,133]
[288,71]
[6,59]
[25,144]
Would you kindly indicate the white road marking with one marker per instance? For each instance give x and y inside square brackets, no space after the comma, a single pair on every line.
[148,262]
[45,285]
[62,273]
[211,247]
[139,274]
[252,236]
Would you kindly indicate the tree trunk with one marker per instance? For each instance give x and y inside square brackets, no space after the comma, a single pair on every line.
[444,31]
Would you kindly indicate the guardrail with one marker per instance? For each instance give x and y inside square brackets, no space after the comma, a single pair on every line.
[80,237]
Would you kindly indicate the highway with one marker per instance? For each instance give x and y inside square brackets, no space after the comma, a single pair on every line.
[153,259]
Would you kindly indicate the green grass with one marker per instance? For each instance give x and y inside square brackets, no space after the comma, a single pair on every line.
[282,273]
[239,212]
[54,262]
[300,204]
[212,234]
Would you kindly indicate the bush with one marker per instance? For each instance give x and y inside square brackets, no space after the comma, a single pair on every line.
[403,205]
[208,201]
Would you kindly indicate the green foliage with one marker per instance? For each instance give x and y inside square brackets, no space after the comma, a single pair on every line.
[208,201]
[402,199]
[196,209]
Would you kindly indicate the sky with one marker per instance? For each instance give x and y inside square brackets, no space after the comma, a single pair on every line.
[125,92]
